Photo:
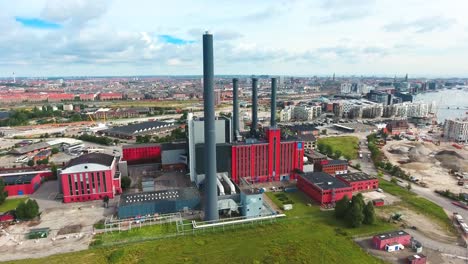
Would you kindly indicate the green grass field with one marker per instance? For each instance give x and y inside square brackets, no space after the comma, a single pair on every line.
[307,235]
[348,145]
[11,204]
[419,204]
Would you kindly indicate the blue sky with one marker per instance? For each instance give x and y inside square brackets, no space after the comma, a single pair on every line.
[287,37]
[37,23]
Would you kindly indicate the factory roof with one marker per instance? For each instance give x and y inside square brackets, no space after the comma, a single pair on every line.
[97,158]
[157,196]
[140,127]
[324,181]
[18,179]
[307,137]
[315,155]
[141,145]
[335,162]
[303,127]
[30,148]
[356,176]
[388,235]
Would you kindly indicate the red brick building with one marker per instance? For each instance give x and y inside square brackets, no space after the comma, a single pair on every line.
[395,127]
[269,160]
[332,167]
[110,96]
[87,97]
[381,240]
[359,181]
[59,97]
[323,188]
[90,177]
[23,183]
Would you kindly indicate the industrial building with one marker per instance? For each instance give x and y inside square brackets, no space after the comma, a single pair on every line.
[144,128]
[171,156]
[359,181]
[380,241]
[24,183]
[158,202]
[395,127]
[323,188]
[332,167]
[90,177]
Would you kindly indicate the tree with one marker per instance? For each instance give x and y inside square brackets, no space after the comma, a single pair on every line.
[27,210]
[321,147]
[54,170]
[355,215]
[324,131]
[125,182]
[30,163]
[337,154]
[328,150]
[408,187]
[341,207]
[369,214]
[394,180]
[359,198]
[3,193]
[358,166]
[55,150]
[380,174]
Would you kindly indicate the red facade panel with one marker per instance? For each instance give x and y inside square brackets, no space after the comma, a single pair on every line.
[140,155]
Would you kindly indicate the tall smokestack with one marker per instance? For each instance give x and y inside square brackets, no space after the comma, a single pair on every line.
[253,127]
[235,110]
[273,103]
[211,196]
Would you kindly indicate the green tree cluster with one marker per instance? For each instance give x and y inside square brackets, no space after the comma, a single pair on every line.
[125,182]
[99,140]
[3,193]
[27,210]
[355,212]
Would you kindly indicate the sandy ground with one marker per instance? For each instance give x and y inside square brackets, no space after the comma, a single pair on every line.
[425,166]
[399,257]
[423,224]
[388,198]
[14,245]
[59,217]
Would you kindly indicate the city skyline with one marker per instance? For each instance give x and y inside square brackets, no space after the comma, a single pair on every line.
[117,38]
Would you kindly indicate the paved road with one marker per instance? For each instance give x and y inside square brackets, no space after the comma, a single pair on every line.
[436,245]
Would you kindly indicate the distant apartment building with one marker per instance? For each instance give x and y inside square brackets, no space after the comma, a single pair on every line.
[286,114]
[456,130]
[87,97]
[217,97]
[355,88]
[135,96]
[408,110]
[110,96]
[59,97]
[306,112]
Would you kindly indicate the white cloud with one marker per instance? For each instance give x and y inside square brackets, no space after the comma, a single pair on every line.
[118,37]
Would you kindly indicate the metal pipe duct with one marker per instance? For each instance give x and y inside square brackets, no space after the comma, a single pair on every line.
[253,127]
[211,196]
[235,110]
[273,103]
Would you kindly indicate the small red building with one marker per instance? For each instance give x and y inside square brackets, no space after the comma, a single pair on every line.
[90,177]
[395,127]
[58,97]
[378,202]
[333,167]
[140,154]
[381,240]
[23,183]
[360,181]
[87,97]
[42,155]
[323,187]
[417,259]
